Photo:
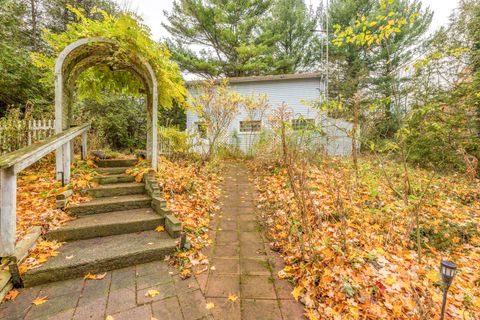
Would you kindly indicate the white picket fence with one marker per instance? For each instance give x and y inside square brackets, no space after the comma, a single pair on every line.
[16,134]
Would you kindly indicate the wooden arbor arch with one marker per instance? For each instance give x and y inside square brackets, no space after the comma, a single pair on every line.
[81,55]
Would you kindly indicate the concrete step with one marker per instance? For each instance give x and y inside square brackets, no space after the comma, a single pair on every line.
[114,170]
[111,204]
[77,258]
[109,163]
[107,224]
[119,189]
[114,178]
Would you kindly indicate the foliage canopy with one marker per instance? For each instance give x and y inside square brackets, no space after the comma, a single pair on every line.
[132,40]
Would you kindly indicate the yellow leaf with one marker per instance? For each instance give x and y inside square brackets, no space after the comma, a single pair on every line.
[397,310]
[186,273]
[160,228]
[433,276]
[152,293]
[311,315]
[210,305]
[40,300]
[109,318]
[297,291]
[232,297]
[89,276]
[390,280]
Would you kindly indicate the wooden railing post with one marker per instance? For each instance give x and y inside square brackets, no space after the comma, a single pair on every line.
[84,146]
[8,205]
[67,161]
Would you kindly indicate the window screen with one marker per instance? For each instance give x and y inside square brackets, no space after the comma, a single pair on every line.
[250,126]
[302,124]
[201,129]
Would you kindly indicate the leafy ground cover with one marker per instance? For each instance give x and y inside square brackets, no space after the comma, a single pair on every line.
[358,256]
[37,190]
[191,191]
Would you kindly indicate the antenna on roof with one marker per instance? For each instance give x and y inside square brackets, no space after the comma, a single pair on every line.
[324,44]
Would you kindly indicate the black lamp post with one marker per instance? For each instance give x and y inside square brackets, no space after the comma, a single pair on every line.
[447,269]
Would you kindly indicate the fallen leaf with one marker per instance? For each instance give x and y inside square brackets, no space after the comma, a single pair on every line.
[433,276]
[91,276]
[296,292]
[160,228]
[390,280]
[152,293]
[232,297]
[109,318]
[12,294]
[40,300]
[101,276]
[210,305]
[186,273]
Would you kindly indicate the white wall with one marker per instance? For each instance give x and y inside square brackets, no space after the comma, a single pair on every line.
[296,93]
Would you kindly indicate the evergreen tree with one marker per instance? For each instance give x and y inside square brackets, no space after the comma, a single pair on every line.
[226,31]
[295,45]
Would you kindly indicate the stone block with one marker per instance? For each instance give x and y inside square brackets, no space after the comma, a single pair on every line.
[173,226]
[158,205]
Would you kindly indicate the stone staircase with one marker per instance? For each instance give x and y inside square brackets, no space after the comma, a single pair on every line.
[115,229]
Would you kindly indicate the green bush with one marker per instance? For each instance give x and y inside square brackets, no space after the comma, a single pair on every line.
[119,122]
[173,141]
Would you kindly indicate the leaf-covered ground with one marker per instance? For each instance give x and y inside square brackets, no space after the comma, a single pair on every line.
[191,192]
[37,190]
[360,260]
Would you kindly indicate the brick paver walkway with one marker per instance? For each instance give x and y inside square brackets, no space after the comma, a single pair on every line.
[243,264]
[240,264]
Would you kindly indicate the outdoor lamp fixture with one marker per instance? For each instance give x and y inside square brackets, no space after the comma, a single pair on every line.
[447,269]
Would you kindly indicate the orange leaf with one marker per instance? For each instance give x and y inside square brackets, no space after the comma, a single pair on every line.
[11,295]
[40,300]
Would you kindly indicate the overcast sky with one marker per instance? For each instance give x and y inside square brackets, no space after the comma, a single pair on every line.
[152,12]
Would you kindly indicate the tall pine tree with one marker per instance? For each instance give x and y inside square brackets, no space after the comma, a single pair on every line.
[219,37]
[295,45]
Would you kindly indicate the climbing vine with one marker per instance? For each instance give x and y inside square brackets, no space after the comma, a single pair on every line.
[132,39]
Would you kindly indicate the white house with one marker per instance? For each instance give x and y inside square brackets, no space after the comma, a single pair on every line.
[295,90]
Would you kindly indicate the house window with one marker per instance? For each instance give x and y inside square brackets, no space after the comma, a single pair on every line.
[250,126]
[201,129]
[302,124]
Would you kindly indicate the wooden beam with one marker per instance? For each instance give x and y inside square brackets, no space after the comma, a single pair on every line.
[8,206]
[84,146]
[25,157]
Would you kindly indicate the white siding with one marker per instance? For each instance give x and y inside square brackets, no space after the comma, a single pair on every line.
[296,93]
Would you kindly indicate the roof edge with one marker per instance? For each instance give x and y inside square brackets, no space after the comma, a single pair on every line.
[276,77]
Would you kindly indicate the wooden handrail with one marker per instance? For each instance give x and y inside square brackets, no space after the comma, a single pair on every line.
[24,157]
[14,162]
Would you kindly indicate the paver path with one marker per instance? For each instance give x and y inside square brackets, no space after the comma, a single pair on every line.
[243,265]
